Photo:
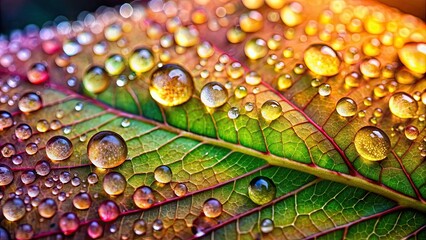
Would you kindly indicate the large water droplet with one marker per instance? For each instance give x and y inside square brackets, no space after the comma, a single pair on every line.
[69,223]
[213,95]
[108,211]
[96,80]
[47,208]
[292,14]
[346,107]
[107,149]
[212,208]
[141,60]
[30,102]
[271,110]
[6,175]
[413,56]
[403,105]
[13,209]
[372,143]
[322,60]
[143,197]
[261,190]
[171,85]
[59,148]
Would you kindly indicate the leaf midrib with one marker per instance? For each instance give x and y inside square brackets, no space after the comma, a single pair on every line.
[355,180]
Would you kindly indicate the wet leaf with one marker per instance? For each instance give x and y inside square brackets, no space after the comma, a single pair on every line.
[175,126]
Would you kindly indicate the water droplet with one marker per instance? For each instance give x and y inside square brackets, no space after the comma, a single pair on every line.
[23,131]
[372,143]
[13,209]
[322,60]
[180,189]
[114,183]
[261,190]
[115,64]
[370,68]
[157,225]
[213,95]
[95,230]
[271,110]
[28,177]
[31,148]
[65,177]
[256,48]
[186,36]
[267,225]
[201,224]
[352,79]
[233,113]
[235,70]
[38,73]
[59,148]
[413,56]
[30,102]
[82,201]
[235,35]
[249,107]
[205,50]
[69,223]
[42,168]
[139,227]
[171,85]
[346,107]
[8,150]
[24,232]
[92,178]
[163,174]
[212,208]
[107,149]
[6,175]
[108,211]
[6,120]
[251,21]
[411,132]
[404,76]
[113,32]
[403,105]
[240,92]
[285,81]
[143,197]
[47,208]
[96,80]
[375,23]
[324,90]
[291,14]
[253,78]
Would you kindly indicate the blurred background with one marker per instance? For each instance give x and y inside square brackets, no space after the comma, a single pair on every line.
[16,14]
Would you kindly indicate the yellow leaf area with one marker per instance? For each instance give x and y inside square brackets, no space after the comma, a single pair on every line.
[325,100]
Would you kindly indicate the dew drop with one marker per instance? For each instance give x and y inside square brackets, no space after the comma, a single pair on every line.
[171,85]
[251,21]
[205,50]
[113,32]
[157,225]
[6,120]
[370,68]
[163,174]
[346,107]
[267,225]
[38,73]
[143,197]
[31,148]
[322,60]
[256,48]
[8,150]
[253,78]
[403,105]
[413,56]
[59,148]
[139,227]
[249,107]
[107,149]
[284,82]
[411,132]
[233,113]
[352,79]
[28,177]
[23,131]
[24,232]
[235,35]
[324,90]
[212,208]
[372,143]
[201,224]
[30,102]
[96,80]
[95,230]
[291,14]
[6,175]
[213,95]
[114,183]
[82,201]
[13,209]
[69,223]
[141,60]
[180,189]
[47,208]
[186,36]
[261,190]
[115,64]
[240,92]
[271,110]
[108,211]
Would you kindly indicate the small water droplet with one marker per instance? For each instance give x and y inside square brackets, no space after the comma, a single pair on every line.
[30,102]
[403,105]
[267,225]
[107,149]
[143,197]
[372,143]
[271,110]
[213,95]
[163,174]
[59,148]
[212,208]
[69,223]
[261,190]
[108,211]
[346,107]
[47,208]
[322,60]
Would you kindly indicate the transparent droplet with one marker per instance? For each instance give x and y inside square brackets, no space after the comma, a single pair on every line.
[205,50]
[346,107]
[31,148]
[201,224]
[157,225]
[212,208]
[267,225]
[372,143]
[141,60]
[108,211]
[370,68]
[251,21]
[235,70]
[125,122]
[249,106]
[13,209]
[23,131]
[261,190]
[171,85]
[59,148]
[113,32]
[411,132]
[253,78]
[163,174]
[285,81]
[6,175]
[353,79]
[240,92]
[271,110]
[8,150]
[115,64]
[24,232]
[38,73]
[413,56]
[6,120]
[292,14]
[186,36]
[139,227]
[107,149]
[69,223]
[235,35]
[256,48]
[403,105]
[95,230]
[213,95]
[30,102]
[114,183]
[322,60]
[324,89]
[82,201]
[96,80]
[47,208]
[143,197]
[180,189]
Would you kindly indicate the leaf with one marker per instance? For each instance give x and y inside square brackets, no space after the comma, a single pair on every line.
[324,189]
